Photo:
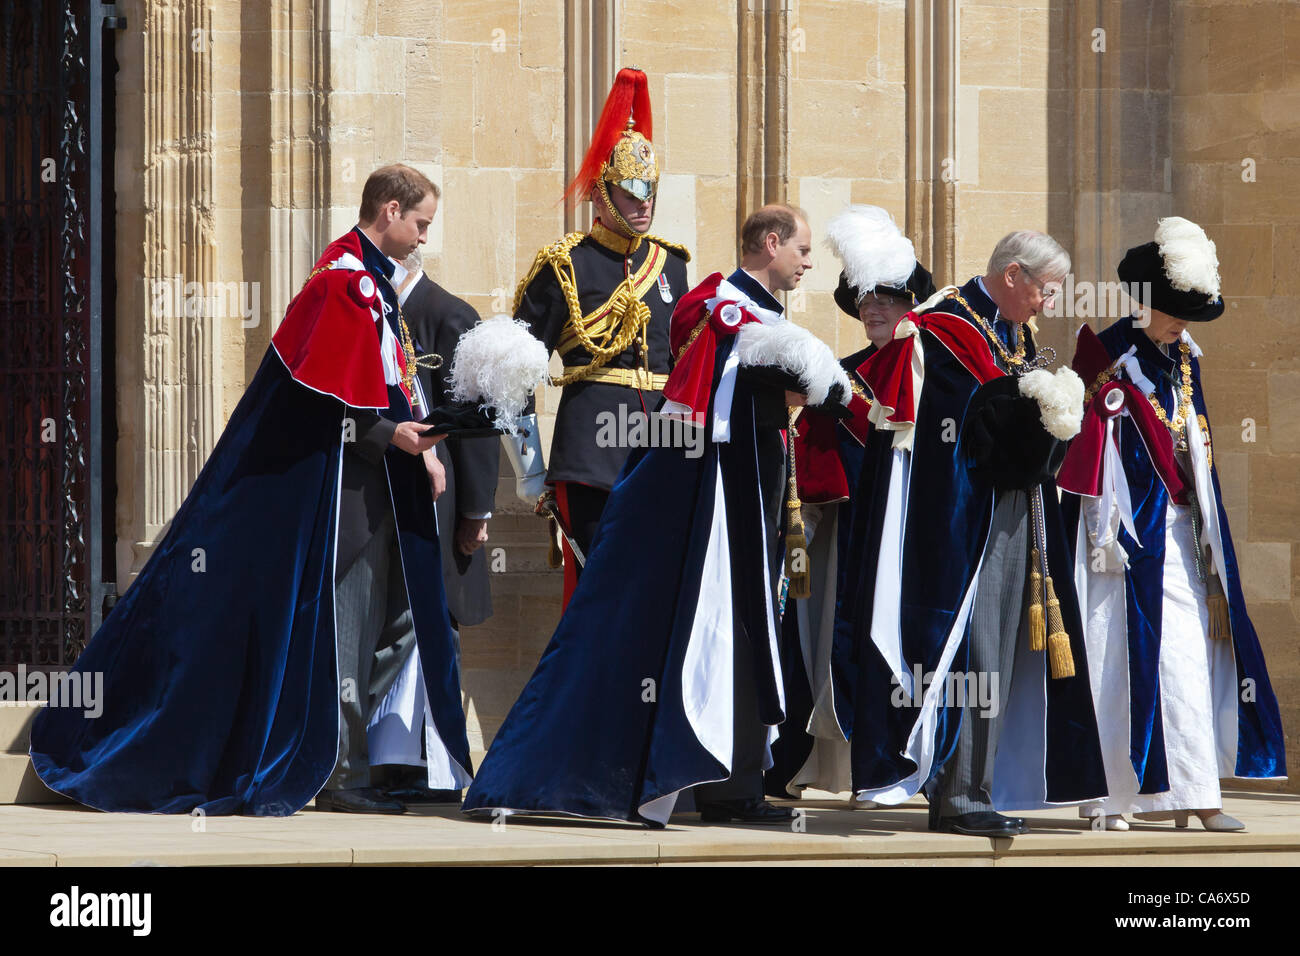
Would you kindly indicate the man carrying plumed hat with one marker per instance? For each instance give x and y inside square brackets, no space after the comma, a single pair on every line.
[240,667]
[1182,694]
[664,673]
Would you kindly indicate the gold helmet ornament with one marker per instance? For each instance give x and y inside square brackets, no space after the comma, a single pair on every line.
[621,153]
[633,165]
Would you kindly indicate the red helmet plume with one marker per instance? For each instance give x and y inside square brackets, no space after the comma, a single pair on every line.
[628,97]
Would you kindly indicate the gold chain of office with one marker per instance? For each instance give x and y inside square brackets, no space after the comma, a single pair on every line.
[630,316]
[1182,414]
[1184,410]
[1012,360]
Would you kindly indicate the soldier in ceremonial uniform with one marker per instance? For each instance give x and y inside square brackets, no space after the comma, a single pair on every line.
[604,300]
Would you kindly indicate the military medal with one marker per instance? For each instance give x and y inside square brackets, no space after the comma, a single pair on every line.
[665,292]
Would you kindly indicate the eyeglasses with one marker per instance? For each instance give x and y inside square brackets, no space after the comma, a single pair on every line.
[904,296]
[1048,293]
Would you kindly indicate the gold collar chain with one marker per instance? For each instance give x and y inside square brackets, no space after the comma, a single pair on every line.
[1182,414]
[1013,361]
[431,360]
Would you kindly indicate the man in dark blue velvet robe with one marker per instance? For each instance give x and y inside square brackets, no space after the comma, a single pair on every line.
[951,697]
[663,672]
[228,687]
[887,282]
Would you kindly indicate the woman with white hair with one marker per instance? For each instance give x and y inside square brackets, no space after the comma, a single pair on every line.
[1183,697]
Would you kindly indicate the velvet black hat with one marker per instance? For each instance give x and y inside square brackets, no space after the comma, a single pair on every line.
[1178,273]
[920,283]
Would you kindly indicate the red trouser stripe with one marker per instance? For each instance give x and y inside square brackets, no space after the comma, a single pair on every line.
[570,560]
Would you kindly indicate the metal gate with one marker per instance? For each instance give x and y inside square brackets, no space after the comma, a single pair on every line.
[51,260]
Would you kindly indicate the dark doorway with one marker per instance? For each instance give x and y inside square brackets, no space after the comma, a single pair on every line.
[56,215]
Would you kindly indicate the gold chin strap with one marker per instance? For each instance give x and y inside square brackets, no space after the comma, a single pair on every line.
[612,209]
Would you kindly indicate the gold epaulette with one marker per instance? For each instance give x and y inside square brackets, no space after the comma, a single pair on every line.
[556,255]
[676,247]
[608,330]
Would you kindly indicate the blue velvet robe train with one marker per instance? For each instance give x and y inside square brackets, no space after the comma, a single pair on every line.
[601,728]
[1261,746]
[220,683]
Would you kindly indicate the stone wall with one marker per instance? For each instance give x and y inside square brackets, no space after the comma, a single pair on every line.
[242,149]
[1235,151]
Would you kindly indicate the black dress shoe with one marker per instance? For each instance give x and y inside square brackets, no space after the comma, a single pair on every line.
[746,811]
[985,823]
[360,800]
[419,793]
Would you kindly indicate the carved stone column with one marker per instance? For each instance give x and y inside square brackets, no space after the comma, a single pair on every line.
[762,115]
[169,378]
[209,89]
[932,78]
[590,64]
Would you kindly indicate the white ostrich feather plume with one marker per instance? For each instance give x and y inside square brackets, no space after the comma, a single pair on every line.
[1191,261]
[793,349]
[1059,397]
[872,248]
[498,364]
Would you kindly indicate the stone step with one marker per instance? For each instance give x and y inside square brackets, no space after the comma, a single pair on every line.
[828,835]
[16,725]
[20,785]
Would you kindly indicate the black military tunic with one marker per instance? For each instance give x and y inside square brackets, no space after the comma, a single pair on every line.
[598,271]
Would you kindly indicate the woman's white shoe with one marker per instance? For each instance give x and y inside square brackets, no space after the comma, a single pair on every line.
[1114,821]
[1222,822]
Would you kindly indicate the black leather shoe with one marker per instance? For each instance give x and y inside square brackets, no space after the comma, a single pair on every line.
[746,811]
[419,793]
[360,800]
[985,823]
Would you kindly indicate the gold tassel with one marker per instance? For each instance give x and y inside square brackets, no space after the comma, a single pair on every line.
[1058,642]
[1037,620]
[554,553]
[796,542]
[1217,604]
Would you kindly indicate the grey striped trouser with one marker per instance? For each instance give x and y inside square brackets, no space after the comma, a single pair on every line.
[965,784]
[375,633]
